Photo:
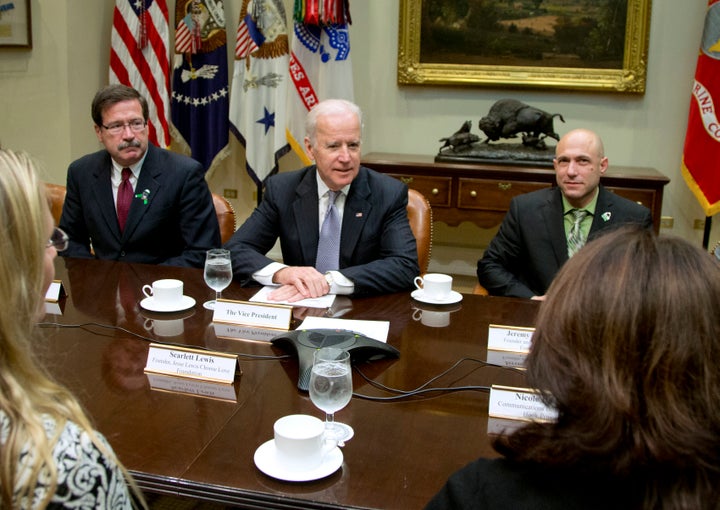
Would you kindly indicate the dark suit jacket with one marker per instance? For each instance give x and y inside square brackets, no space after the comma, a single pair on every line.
[531,246]
[176,226]
[377,247]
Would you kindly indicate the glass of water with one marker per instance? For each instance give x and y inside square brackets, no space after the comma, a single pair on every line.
[218,273]
[331,388]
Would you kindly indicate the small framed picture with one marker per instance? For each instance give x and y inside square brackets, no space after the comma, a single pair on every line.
[15,24]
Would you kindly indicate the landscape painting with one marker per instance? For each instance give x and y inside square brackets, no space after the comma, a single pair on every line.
[577,44]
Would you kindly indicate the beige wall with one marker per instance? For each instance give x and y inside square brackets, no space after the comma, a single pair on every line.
[45,99]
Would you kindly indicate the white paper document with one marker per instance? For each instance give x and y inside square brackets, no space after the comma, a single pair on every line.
[377,330]
[325,301]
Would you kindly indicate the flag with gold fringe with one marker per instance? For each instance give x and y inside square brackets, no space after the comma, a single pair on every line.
[259,87]
[200,81]
[701,154]
[320,65]
[139,59]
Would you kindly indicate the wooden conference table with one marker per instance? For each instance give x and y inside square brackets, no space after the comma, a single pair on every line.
[196,446]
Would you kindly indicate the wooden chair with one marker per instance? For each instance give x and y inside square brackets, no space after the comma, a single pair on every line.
[56,199]
[480,290]
[226,217]
[420,217]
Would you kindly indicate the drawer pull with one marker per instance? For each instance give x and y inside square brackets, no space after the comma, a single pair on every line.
[407,180]
[504,186]
[473,193]
[435,191]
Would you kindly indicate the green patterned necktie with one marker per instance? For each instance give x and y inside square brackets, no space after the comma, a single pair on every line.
[576,239]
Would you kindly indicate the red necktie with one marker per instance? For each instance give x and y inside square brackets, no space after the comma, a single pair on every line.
[124,198]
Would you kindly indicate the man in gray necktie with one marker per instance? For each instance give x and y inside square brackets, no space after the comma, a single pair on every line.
[343,228]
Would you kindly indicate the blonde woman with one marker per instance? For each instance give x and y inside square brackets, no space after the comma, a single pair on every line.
[49,454]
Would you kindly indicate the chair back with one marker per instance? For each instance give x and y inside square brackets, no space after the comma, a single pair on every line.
[420,218]
[56,198]
[226,217]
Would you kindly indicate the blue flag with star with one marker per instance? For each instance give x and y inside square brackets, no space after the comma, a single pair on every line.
[200,99]
[259,86]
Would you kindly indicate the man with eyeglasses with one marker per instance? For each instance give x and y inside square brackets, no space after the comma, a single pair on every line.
[134,201]
[544,228]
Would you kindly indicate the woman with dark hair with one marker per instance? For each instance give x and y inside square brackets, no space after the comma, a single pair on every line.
[626,348]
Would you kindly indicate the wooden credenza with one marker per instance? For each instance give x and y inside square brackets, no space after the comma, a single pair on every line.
[481,193]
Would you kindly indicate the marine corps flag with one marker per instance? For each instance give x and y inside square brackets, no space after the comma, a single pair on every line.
[320,66]
[701,155]
[200,80]
[259,86]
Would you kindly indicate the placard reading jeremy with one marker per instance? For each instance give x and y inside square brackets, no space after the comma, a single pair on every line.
[253,314]
[518,404]
[191,363]
[509,338]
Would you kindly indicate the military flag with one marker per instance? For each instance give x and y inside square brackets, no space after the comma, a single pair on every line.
[259,86]
[320,66]
[200,80]
[139,58]
[701,155]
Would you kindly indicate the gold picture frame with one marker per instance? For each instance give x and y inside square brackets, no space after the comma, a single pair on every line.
[15,25]
[628,76]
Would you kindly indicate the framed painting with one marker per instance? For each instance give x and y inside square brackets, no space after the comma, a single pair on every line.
[595,45]
[15,25]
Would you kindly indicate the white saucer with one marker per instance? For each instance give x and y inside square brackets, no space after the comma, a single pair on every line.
[267,462]
[453,297]
[149,303]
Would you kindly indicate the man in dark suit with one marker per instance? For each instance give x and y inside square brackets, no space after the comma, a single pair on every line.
[377,251]
[133,201]
[538,235]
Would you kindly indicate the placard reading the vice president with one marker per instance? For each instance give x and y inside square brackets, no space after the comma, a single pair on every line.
[253,314]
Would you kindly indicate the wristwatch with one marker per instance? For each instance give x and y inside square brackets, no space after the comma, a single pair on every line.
[329,279]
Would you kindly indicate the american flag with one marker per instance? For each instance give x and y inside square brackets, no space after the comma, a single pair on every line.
[139,59]
[187,36]
[249,38]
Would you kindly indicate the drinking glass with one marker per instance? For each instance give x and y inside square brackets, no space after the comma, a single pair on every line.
[331,388]
[218,273]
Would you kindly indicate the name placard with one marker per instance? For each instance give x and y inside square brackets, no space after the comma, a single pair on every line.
[216,391]
[55,291]
[518,404]
[507,359]
[510,338]
[245,313]
[191,363]
[235,332]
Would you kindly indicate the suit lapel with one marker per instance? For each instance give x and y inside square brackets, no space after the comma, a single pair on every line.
[556,229]
[102,194]
[357,209]
[603,212]
[306,207]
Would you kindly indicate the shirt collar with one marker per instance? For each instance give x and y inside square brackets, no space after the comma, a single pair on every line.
[590,207]
[322,187]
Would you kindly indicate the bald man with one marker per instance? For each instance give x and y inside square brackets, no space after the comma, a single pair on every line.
[543,229]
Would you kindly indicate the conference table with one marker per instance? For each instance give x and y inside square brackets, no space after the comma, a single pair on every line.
[200,442]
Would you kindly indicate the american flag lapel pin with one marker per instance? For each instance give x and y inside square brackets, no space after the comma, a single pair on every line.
[358,214]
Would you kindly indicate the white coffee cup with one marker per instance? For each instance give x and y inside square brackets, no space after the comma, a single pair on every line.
[434,285]
[160,327]
[432,318]
[300,442]
[165,292]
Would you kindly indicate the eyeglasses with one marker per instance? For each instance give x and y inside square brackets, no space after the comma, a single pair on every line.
[116,128]
[59,239]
